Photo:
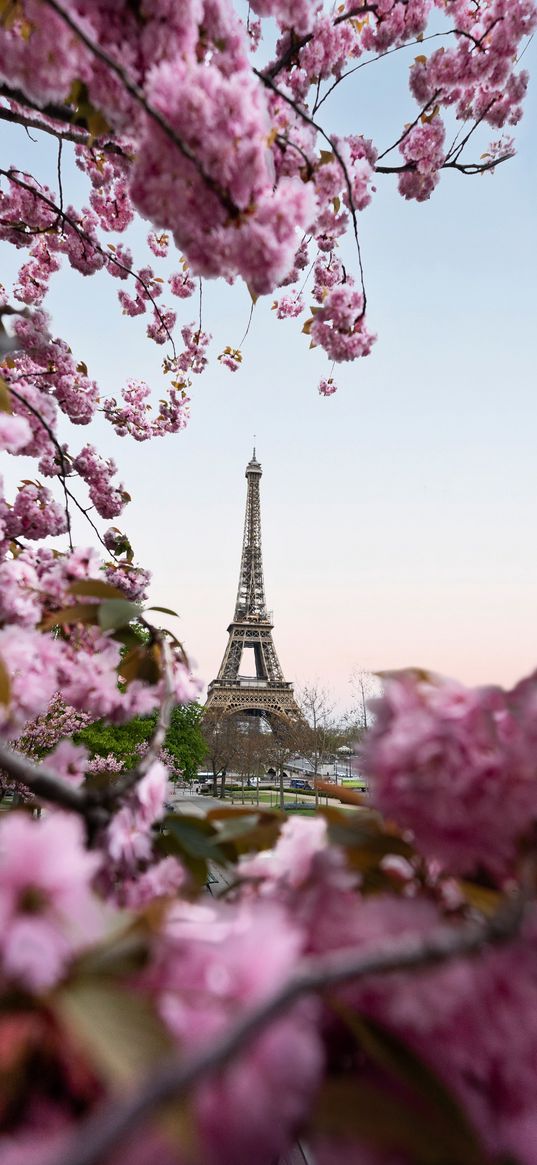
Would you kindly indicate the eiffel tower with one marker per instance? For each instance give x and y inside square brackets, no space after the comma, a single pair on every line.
[266,694]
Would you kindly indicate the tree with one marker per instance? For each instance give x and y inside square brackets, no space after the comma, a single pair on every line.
[253,757]
[223,742]
[287,741]
[364,687]
[324,736]
[121,741]
[121,986]
[184,739]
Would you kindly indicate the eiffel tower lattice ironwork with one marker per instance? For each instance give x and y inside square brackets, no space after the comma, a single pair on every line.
[267,693]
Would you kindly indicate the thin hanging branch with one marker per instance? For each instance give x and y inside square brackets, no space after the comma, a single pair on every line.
[269,83]
[63,466]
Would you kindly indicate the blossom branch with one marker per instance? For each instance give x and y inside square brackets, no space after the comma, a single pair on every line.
[269,83]
[62,216]
[135,92]
[63,466]
[298,43]
[105,1128]
[63,473]
[408,129]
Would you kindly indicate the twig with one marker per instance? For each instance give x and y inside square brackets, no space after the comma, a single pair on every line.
[96,1136]
[59,168]
[379,57]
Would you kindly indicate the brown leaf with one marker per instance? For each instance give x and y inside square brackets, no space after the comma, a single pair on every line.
[117,1030]
[341,793]
[5,397]
[5,683]
[78,613]
[97,588]
[142,663]
[482,898]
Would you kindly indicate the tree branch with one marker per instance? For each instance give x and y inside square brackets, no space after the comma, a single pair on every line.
[298,43]
[42,781]
[109,256]
[96,1136]
[269,83]
[80,138]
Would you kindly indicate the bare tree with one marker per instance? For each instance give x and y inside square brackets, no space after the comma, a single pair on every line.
[222,737]
[254,755]
[323,734]
[287,739]
[364,686]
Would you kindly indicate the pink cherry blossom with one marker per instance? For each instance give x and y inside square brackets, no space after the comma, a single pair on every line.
[47,909]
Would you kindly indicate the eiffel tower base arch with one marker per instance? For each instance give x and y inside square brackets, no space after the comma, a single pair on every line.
[274,702]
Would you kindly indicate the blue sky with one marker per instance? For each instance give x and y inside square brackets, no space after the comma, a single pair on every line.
[398,515]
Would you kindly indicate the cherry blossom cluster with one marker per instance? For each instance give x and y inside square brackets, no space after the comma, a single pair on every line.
[481,743]
[229,160]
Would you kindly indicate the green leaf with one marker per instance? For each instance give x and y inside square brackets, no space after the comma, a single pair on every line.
[245,831]
[164,610]
[118,1031]
[97,588]
[195,835]
[194,841]
[115,613]
[5,397]
[5,683]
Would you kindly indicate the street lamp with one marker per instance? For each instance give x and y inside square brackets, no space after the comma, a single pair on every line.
[346,753]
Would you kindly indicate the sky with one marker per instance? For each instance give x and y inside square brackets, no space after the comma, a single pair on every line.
[398,516]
